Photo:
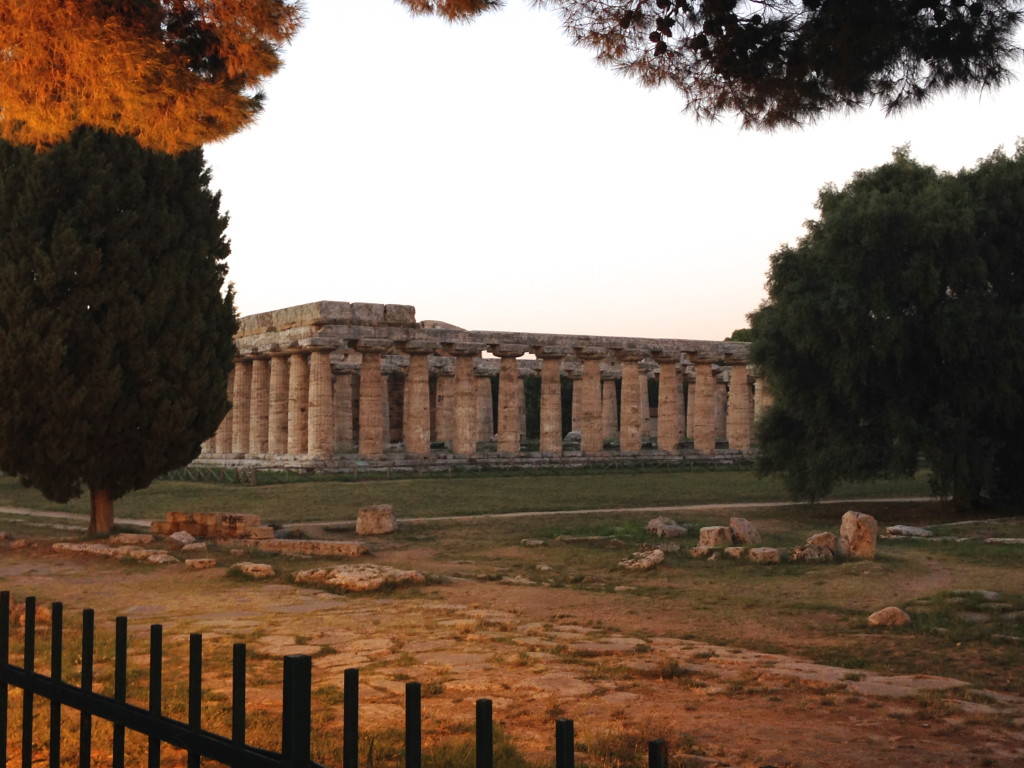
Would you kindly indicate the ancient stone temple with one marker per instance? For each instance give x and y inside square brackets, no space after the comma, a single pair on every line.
[337,385]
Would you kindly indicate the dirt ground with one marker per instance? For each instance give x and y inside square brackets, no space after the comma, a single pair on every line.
[625,666]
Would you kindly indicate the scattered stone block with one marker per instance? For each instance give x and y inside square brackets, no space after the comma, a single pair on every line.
[4,536]
[764,555]
[253,570]
[135,539]
[908,530]
[889,617]
[162,558]
[736,553]
[715,536]
[195,546]
[984,594]
[858,536]
[811,553]
[179,539]
[700,552]
[665,527]
[19,543]
[200,563]
[44,616]
[533,542]
[664,546]
[642,561]
[312,547]
[1004,541]
[375,520]
[744,532]
[359,578]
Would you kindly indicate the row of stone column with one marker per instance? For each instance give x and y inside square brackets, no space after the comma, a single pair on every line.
[293,403]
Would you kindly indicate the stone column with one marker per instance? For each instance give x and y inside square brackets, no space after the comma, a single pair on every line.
[739,418]
[649,429]
[277,419]
[591,432]
[577,399]
[668,402]
[551,399]
[222,438]
[704,407]
[691,400]
[372,395]
[509,421]
[610,406]
[298,404]
[484,406]
[416,421]
[762,396]
[240,427]
[444,408]
[464,415]
[259,407]
[321,403]
[631,421]
[721,395]
[344,434]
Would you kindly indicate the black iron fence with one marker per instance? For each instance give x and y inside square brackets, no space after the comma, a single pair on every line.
[189,735]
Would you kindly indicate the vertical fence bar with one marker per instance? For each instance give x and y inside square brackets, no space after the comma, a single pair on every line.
[657,754]
[120,684]
[195,691]
[156,663]
[26,695]
[350,746]
[565,747]
[413,725]
[238,694]
[85,720]
[296,719]
[56,672]
[484,733]
[5,658]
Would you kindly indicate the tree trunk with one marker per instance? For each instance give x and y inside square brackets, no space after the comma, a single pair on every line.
[101,517]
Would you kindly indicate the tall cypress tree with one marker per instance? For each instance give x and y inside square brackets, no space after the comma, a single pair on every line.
[115,322]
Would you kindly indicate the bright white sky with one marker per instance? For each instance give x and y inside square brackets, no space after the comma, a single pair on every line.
[495,177]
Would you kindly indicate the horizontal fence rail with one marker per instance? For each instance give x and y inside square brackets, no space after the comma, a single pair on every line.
[189,735]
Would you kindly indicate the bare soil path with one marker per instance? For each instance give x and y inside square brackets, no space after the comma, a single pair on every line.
[624,666]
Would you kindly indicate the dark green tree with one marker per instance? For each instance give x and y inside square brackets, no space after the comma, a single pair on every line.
[894,330]
[115,322]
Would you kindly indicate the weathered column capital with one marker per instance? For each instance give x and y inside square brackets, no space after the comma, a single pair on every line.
[590,353]
[631,355]
[507,350]
[463,348]
[374,346]
[666,354]
[417,346]
[551,353]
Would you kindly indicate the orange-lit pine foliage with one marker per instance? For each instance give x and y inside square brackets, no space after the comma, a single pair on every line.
[173,74]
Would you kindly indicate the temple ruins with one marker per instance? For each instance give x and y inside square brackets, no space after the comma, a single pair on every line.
[332,386]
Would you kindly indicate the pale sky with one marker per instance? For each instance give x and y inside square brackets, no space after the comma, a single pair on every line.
[495,177]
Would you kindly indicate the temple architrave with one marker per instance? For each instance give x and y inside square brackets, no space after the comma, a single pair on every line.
[333,386]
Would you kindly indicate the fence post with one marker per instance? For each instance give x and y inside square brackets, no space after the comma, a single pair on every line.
[350,734]
[56,671]
[120,684]
[565,748]
[657,754]
[238,694]
[295,720]
[26,694]
[195,692]
[413,725]
[484,733]
[156,661]
[85,727]
[5,646]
